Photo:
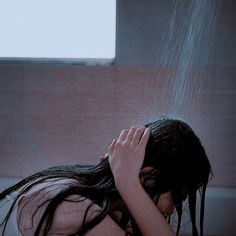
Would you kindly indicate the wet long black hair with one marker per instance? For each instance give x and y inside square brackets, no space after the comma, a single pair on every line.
[175,161]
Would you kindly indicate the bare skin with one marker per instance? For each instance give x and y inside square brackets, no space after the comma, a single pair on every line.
[126,156]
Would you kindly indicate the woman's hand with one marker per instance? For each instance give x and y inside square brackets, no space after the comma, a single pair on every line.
[126,155]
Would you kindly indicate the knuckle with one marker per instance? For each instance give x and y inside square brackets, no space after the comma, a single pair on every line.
[140,129]
[118,143]
[111,145]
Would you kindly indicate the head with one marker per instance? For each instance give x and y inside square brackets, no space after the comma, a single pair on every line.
[175,168]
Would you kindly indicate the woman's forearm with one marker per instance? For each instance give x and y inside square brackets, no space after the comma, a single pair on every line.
[147,216]
[126,159]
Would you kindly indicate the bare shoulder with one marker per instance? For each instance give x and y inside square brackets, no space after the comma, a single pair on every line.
[68,218]
[70,215]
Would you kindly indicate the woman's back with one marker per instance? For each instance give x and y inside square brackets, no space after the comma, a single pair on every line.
[69,215]
[62,200]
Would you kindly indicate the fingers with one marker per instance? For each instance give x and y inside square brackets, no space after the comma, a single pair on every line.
[123,135]
[131,132]
[137,136]
[111,147]
[134,135]
[144,139]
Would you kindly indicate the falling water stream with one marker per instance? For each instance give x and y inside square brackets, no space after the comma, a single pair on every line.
[185,53]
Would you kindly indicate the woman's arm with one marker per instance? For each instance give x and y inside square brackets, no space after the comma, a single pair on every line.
[68,218]
[147,216]
[126,158]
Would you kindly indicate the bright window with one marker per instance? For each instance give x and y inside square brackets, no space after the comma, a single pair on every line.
[83,30]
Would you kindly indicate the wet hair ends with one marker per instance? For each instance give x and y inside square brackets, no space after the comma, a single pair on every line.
[174,154]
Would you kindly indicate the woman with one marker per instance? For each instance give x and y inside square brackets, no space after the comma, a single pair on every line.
[147,174]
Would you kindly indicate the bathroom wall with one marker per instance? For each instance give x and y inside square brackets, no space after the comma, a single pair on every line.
[55,114]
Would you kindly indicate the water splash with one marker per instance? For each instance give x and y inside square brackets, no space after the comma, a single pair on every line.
[185,50]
